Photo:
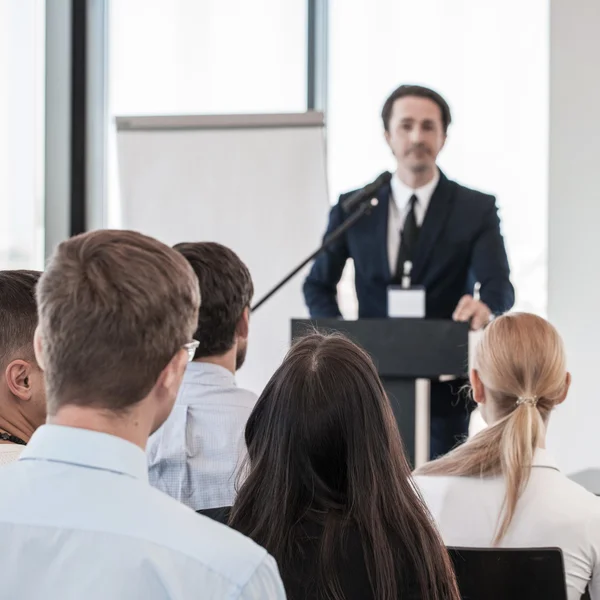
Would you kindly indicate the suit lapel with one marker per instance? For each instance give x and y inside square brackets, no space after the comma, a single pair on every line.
[380,216]
[435,217]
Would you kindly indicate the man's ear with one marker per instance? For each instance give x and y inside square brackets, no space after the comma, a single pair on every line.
[386,135]
[164,392]
[444,142]
[172,374]
[243,327]
[18,378]
[38,348]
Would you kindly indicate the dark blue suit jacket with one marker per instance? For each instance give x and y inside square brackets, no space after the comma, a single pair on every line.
[460,243]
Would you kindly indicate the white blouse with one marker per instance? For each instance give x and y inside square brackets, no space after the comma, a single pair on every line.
[552,512]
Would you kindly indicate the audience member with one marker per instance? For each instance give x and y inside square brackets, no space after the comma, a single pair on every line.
[502,488]
[78,518]
[328,489]
[22,394]
[193,457]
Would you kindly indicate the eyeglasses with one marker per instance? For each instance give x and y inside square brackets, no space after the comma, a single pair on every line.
[191,348]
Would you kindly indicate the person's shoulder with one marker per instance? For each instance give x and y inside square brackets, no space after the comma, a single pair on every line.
[347,194]
[337,207]
[575,510]
[472,196]
[10,469]
[205,541]
[582,502]
[223,391]
[436,489]
[248,397]
[433,481]
[430,486]
[240,400]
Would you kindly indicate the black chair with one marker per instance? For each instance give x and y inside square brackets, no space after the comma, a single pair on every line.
[220,514]
[510,574]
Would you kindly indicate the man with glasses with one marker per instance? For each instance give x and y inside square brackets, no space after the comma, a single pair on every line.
[117,311]
[194,457]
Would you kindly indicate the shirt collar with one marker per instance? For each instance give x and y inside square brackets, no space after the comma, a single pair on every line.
[401,193]
[209,374]
[542,458]
[86,448]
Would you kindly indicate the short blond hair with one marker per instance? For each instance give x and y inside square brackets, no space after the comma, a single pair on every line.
[114,308]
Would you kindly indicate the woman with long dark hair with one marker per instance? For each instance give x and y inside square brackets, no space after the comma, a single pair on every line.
[328,490]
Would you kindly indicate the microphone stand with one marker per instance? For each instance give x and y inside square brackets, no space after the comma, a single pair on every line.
[364,209]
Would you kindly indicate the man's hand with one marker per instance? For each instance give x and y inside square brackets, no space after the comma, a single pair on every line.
[477,311]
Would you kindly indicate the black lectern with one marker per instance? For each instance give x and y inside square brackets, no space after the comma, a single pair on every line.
[404,351]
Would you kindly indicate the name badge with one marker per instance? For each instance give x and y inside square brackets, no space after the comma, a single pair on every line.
[406,303]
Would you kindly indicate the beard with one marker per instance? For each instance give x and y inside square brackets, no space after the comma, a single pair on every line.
[240,356]
[420,167]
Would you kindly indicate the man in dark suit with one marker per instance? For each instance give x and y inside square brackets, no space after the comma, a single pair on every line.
[450,234]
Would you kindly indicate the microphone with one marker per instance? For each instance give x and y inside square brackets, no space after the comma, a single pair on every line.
[366,193]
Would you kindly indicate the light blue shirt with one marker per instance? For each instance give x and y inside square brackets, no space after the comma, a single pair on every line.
[195,456]
[78,520]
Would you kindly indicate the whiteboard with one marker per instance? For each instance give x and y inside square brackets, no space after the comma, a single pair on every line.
[255,183]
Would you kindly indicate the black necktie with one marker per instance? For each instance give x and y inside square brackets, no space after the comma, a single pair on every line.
[408,240]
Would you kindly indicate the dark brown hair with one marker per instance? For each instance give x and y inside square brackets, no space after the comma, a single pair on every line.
[115,307]
[18,315]
[322,439]
[226,287]
[420,92]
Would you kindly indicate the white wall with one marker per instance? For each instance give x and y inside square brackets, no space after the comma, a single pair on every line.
[574,224]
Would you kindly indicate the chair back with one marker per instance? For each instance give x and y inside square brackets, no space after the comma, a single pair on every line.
[501,573]
[220,514]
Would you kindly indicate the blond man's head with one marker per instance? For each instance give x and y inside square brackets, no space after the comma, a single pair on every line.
[115,307]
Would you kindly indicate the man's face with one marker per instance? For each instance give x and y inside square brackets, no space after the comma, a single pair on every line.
[415,133]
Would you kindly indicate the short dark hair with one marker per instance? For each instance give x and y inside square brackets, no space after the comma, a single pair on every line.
[226,288]
[18,314]
[418,91]
[114,308]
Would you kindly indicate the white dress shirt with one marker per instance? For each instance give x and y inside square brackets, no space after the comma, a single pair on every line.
[9,453]
[195,455]
[552,512]
[78,519]
[400,207]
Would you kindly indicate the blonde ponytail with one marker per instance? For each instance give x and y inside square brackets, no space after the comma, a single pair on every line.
[521,435]
[521,363]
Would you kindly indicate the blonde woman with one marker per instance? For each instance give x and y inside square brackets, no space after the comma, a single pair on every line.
[502,488]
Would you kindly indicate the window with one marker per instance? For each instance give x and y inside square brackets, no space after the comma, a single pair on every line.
[203,57]
[21,134]
[207,56]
